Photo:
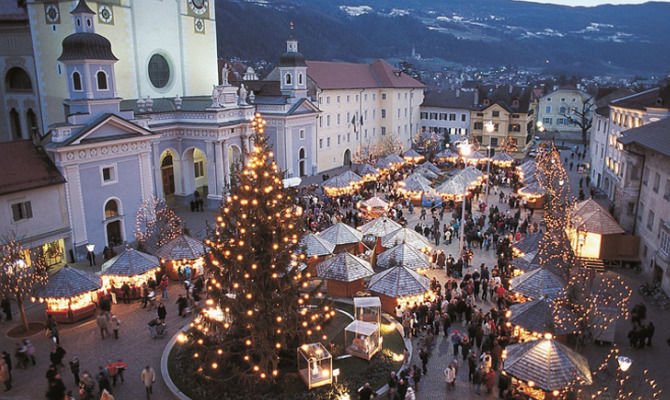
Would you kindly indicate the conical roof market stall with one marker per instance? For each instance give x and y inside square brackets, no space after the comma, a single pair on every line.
[533,194]
[344,273]
[342,236]
[426,172]
[527,244]
[546,363]
[502,160]
[447,155]
[315,246]
[375,204]
[132,267]
[542,316]
[415,185]
[412,156]
[70,294]
[399,285]
[379,227]
[183,252]
[368,172]
[403,255]
[543,282]
[342,184]
[406,235]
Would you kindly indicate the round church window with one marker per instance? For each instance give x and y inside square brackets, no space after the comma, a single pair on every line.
[159,71]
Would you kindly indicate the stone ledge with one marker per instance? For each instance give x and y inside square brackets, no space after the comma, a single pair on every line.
[164,367]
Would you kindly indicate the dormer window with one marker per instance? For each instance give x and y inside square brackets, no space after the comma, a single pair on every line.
[287,79]
[487,102]
[76,81]
[515,103]
[102,80]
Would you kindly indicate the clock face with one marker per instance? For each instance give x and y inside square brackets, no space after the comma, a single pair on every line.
[52,13]
[105,14]
[198,6]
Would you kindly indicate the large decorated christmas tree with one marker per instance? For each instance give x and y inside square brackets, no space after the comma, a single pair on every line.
[257,309]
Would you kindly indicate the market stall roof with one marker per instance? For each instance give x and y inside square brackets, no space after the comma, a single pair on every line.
[341,233]
[532,189]
[426,172]
[183,247]
[362,327]
[375,202]
[416,183]
[405,235]
[528,243]
[398,282]
[342,180]
[395,159]
[129,263]
[344,267]
[367,169]
[446,154]
[379,227]
[543,316]
[590,216]
[542,282]
[526,262]
[502,158]
[454,186]
[411,153]
[471,174]
[69,282]
[405,255]
[315,246]
[547,363]
[431,167]
[475,156]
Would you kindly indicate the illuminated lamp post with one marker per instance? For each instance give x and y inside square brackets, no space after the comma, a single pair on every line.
[464,149]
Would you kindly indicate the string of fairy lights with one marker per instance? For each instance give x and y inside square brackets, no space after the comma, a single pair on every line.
[258,301]
[156,223]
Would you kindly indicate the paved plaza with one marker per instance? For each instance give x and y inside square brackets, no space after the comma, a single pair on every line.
[136,347]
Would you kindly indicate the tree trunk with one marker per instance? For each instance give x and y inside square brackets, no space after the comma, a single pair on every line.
[19,304]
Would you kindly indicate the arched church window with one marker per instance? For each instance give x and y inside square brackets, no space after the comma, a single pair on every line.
[31,118]
[76,80]
[301,154]
[102,80]
[17,79]
[159,71]
[111,209]
[287,79]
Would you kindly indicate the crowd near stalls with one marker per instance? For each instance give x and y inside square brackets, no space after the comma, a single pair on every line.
[183,257]
[70,294]
[131,268]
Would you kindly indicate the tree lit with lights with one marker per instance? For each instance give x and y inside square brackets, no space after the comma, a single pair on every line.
[258,308]
[156,224]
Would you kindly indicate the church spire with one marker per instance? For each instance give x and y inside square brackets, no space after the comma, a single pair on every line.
[83,18]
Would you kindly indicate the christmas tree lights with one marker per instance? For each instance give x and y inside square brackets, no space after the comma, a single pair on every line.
[258,308]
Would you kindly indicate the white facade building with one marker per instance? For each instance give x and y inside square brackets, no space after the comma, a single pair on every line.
[555,108]
[447,111]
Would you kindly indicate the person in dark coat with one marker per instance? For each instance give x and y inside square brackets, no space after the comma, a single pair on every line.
[366,392]
[6,308]
[56,390]
[161,311]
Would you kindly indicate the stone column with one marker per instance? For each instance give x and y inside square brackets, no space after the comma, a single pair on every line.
[220,179]
[226,165]
[158,178]
[75,201]
[211,169]
[145,176]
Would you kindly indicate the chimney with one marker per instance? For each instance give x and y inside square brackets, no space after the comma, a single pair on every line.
[476,97]
[510,88]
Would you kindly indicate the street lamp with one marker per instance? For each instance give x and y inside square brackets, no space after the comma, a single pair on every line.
[464,149]
[488,172]
[624,363]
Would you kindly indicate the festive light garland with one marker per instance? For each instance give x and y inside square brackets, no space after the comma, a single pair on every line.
[156,223]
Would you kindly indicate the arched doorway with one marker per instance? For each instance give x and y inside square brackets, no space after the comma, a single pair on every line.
[301,162]
[167,175]
[15,123]
[194,166]
[347,158]
[113,226]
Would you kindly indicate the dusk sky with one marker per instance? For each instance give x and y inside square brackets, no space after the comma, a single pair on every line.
[590,2]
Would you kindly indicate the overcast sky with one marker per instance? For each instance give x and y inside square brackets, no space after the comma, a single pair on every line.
[590,2]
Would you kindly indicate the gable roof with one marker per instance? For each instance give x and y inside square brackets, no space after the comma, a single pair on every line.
[504,96]
[654,136]
[25,166]
[658,97]
[340,75]
[449,99]
[592,217]
[86,133]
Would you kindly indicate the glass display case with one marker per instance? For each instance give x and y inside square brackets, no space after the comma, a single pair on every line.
[315,365]
[362,339]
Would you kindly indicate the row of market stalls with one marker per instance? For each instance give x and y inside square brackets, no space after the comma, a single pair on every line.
[72,294]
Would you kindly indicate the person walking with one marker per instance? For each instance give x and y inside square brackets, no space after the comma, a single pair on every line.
[113,371]
[161,311]
[182,303]
[30,350]
[103,324]
[116,325]
[120,366]
[148,377]
[74,368]
[56,390]
[5,375]
[450,377]
[103,378]
[163,286]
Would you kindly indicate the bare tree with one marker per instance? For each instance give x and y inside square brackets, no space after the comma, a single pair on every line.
[583,117]
[22,271]
[156,224]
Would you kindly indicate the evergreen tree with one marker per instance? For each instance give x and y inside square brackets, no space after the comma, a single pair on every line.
[258,310]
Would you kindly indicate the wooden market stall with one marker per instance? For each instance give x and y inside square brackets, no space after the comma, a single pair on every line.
[411,156]
[415,186]
[427,173]
[502,160]
[132,267]
[409,236]
[316,249]
[447,155]
[544,282]
[533,319]
[344,237]
[528,244]
[399,285]
[368,172]
[595,234]
[70,294]
[345,183]
[374,207]
[344,274]
[533,194]
[376,229]
[544,368]
[404,255]
[183,257]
